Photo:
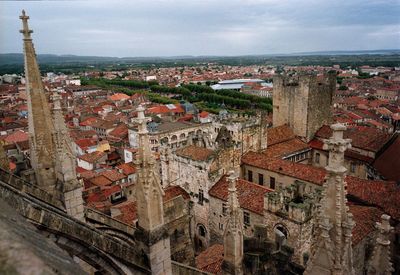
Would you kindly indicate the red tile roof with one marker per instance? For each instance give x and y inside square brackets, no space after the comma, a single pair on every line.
[365,218]
[210,260]
[204,114]
[118,97]
[367,138]
[173,192]
[127,168]
[383,194]
[279,134]
[100,181]
[128,212]
[84,143]
[16,136]
[163,109]
[250,195]
[92,157]
[296,170]
[112,175]
[318,144]
[286,148]
[387,163]
[103,194]
[195,153]
[120,131]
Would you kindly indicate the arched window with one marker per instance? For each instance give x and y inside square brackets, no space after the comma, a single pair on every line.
[174,138]
[182,136]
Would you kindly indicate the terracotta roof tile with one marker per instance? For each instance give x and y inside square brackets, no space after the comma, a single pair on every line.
[297,170]
[282,149]
[365,218]
[382,194]
[127,168]
[92,157]
[112,175]
[250,195]
[387,163]
[173,192]
[100,181]
[128,212]
[118,97]
[279,134]
[368,138]
[16,136]
[195,153]
[210,260]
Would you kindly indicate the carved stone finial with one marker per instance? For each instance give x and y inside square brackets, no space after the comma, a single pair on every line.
[233,235]
[335,220]
[380,263]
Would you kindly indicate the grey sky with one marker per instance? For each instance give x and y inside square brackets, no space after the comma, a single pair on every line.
[204,27]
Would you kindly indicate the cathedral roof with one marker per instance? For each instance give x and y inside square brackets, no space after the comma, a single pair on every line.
[279,134]
[195,153]
[250,195]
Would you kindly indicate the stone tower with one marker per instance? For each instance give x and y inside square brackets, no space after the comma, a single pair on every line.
[51,154]
[303,102]
[41,129]
[380,261]
[233,235]
[332,253]
[151,230]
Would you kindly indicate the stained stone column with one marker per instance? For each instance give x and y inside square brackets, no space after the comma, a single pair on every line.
[380,263]
[332,243]
[151,231]
[233,235]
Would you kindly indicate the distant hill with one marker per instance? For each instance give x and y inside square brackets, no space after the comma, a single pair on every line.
[17,58]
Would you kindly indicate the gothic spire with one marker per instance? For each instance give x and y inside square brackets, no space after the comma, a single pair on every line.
[333,250]
[65,158]
[380,261]
[41,129]
[233,235]
[149,192]
[50,146]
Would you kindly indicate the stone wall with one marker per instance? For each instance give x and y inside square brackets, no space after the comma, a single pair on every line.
[303,102]
[177,219]
[281,181]
[218,221]
[298,235]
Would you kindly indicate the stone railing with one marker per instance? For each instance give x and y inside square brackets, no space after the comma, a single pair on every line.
[29,188]
[100,218]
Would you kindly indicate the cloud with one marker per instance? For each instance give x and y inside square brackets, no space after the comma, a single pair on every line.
[201,27]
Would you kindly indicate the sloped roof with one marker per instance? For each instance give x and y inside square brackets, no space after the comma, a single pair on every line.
[250,195]
[195,153]
[388,162]
[279,134]
[210,260]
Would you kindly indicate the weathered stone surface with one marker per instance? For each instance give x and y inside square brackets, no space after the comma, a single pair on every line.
[23,250]
[303,102]
[80,237]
